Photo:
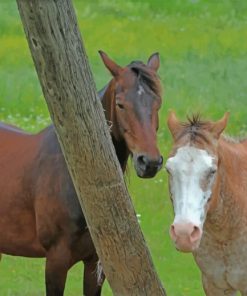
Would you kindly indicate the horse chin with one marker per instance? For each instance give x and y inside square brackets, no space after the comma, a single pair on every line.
[186,247]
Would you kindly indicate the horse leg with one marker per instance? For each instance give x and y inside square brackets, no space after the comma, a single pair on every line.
[57,265]
[212,290]
[93,278]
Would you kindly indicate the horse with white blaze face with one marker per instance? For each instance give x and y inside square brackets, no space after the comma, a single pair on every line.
[208,188]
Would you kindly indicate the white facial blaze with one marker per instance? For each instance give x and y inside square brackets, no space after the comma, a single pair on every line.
[189,169]
[140,90]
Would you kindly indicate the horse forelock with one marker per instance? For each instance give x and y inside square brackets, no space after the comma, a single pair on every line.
[146,77]
[195,128]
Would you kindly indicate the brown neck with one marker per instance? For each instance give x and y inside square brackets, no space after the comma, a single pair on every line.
[229,194]
[109,105]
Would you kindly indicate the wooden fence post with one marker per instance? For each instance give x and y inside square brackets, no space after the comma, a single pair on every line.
[69,89]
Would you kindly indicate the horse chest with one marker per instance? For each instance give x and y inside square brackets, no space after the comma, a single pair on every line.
[224,263]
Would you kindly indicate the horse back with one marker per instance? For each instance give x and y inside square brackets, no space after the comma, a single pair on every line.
[17,153]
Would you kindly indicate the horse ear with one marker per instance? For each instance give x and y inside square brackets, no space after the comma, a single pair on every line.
[110,64]
[173,124]
[154,61]
[218,127]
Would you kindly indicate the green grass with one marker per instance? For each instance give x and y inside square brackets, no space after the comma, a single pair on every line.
[203,47]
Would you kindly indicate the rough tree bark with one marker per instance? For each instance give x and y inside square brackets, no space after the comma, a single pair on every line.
[69,89]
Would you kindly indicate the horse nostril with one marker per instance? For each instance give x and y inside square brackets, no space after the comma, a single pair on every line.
[160,161]
[142,160]
[195,234]
[173,232]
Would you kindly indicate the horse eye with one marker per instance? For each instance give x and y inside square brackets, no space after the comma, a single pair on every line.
[120,106]
[212,172]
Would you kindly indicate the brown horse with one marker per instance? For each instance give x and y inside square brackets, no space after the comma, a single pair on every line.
[40,215]
[208,186]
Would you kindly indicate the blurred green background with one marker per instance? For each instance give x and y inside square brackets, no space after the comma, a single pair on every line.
[202,46]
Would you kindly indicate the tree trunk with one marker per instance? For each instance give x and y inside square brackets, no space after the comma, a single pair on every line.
[69,89]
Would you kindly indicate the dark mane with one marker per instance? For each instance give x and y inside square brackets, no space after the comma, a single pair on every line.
[195,128]
[147,77]
[195,121]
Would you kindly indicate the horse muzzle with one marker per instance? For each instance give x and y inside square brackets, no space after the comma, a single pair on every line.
[186,236]
[147,167]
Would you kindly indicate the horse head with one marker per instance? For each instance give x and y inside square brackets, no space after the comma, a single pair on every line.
[135,98]
[192,174]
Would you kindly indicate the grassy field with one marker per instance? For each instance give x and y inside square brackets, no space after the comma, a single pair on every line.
[203,50]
